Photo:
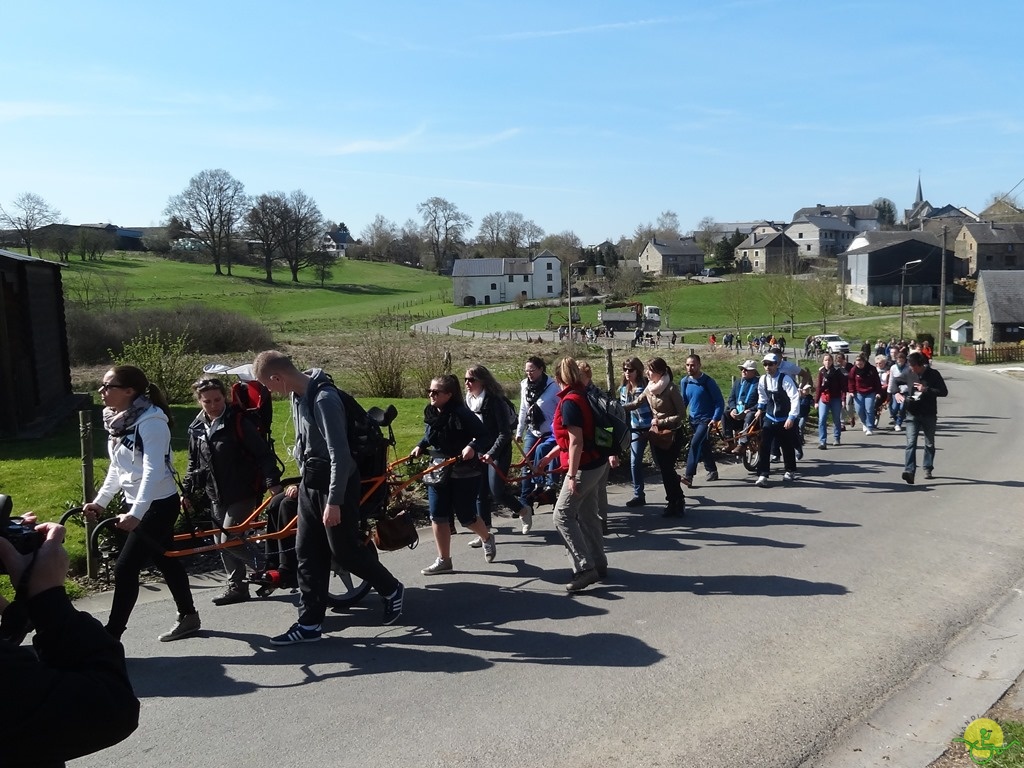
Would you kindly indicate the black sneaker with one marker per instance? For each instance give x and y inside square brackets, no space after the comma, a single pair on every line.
[231,595]
[909,477]
[582,580]
[393,604]
[637,501]
[297,634]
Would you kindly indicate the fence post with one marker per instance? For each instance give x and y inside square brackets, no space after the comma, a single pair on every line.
[88,484]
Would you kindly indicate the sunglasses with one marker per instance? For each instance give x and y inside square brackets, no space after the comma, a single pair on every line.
[104,387]
[470,379]
[204,384]
[435,392]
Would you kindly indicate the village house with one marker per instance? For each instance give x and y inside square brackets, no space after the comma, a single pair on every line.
[989,245]
[999,307]
[875,263]
[478,282]
[672,258]
[769,253]
[820,235]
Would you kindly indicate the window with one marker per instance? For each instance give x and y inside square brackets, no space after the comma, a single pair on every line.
[551,278]
[808,246]
[526,278]
[551,289]
[510,278]
[756,263]
[549,266]
[800,236]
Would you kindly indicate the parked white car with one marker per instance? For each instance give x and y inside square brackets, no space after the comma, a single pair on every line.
[835,343]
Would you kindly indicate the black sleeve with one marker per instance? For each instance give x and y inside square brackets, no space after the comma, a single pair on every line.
[77,679]
[496,414]
[259,449]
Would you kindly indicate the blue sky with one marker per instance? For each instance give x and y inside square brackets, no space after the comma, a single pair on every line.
[586,116]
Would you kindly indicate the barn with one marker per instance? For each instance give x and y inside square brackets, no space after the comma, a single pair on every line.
[35,369]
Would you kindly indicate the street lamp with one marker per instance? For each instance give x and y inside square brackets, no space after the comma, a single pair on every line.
[573,270]
[903,283]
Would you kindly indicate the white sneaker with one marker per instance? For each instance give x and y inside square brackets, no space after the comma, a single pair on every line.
[526,517]
[789,477]
[869,431]
[476,543]
[897,428]
[762,481]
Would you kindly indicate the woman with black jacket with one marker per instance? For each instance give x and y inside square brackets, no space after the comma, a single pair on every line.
[452,431]
[232,464]
[486,398]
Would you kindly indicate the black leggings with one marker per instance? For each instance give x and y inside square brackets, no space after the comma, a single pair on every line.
[147,544]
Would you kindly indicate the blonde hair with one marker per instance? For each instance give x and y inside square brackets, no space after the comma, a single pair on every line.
[269,362]
[567,372]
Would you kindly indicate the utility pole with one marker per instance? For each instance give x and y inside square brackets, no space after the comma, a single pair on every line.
[941,337]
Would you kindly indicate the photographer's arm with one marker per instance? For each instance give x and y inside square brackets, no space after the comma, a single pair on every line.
[79,667]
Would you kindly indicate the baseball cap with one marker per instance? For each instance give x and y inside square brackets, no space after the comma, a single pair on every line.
[771,357]
[749,365]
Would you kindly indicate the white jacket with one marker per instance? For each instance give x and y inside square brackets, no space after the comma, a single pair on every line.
[144,476]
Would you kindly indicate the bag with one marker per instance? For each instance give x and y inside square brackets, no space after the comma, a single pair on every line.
[395,531]
[826,397]
[252,401]
[661,438]
[366,442]
[438,476]
[513,414]
[611,424]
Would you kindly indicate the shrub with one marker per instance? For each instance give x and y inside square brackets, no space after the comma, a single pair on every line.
[166,362]
[381,358]
[94,336]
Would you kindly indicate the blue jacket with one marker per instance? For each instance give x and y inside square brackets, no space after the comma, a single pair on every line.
[702,397]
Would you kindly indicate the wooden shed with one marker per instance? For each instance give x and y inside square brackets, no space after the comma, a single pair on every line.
[35,369]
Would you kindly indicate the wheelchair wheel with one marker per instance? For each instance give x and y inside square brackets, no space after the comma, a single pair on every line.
[107,540]
[752,448]
[346,589]
[73,512]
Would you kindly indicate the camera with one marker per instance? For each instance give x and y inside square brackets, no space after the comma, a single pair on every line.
[25,538]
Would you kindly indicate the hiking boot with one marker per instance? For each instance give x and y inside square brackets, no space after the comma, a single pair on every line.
[187,624]
[822,446]
[674,508]
[476,542]
[526,518]
[928,474]
[909,477]
[602,572]
[393,604]
[441,565]
[231,595]
[582,580]
[297,634]
[711,477]
[637,501]
[490,548]
[762,481]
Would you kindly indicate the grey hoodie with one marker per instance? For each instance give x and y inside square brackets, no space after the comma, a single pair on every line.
[321,432]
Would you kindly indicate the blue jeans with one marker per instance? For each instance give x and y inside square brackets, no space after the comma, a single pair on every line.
[915,425]
[636,461]
[835,407]
[699,449]
[896,411]
[547,442]
[865,404]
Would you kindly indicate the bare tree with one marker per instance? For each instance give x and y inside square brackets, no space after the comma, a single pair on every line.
[444,227]
[93,244]
[566,245]
[707,236]
[26,214]
[491,233]
[735,301]
[668,225]
[377,237]
[265,222]
[774,296]
[665,293]
[823,295]
[303,233]
[210,209]
[520,233]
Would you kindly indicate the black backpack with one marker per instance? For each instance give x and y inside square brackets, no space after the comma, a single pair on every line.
[611,423]
[367,443]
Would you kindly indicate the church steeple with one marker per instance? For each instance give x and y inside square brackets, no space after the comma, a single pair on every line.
[920,198]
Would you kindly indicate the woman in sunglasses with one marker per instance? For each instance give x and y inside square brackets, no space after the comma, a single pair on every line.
[633,383]
[137,419]
[486,398]
[452,431]
[230,463]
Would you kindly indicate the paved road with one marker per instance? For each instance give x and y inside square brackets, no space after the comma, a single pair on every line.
[752,633]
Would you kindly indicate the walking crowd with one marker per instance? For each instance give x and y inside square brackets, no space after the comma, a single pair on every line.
[470,428]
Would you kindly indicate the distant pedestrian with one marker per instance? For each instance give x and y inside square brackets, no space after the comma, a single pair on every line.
[919,388]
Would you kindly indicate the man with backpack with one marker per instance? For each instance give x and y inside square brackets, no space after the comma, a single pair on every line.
[703,398]
[329,494]
[778,409]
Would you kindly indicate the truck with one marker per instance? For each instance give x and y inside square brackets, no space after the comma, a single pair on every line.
[628,315]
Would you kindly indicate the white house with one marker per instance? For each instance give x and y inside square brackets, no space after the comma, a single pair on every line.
[821,235]
[498,281]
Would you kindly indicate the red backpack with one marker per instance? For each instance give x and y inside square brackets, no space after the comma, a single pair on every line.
[252,402]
